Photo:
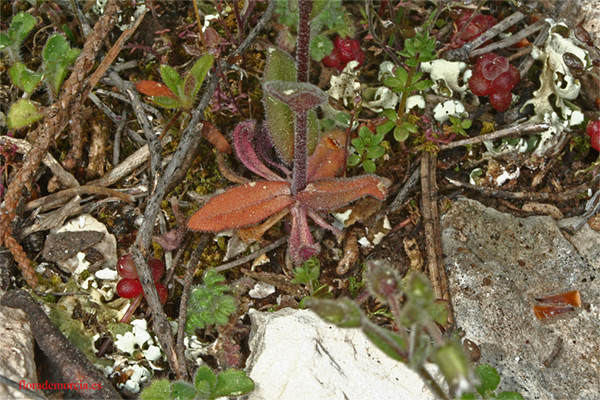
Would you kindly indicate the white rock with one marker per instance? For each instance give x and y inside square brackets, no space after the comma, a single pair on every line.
[261,290]
[296,355]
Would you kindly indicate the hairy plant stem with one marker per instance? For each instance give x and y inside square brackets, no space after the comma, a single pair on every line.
[301,131]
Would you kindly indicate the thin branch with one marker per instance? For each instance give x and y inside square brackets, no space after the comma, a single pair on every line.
[513,131]
[250,257]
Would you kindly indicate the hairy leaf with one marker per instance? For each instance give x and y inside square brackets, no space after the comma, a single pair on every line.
[301,243]
[242,142]
[23,113]
[196,75]
[242,206]
[171,78]
[329,194]
[300,96]
[24,78]
[215,137]
[58,56]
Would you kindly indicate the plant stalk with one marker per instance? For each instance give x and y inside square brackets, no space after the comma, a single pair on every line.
[301,129]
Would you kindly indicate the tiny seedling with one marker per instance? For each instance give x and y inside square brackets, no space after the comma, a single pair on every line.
[417,50]
[367,149]
[209,303]
[207,386]
[308,275]
[176,92]
[11,40]
[459,126]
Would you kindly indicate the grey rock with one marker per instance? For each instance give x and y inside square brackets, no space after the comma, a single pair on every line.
[497,266]
[296,355]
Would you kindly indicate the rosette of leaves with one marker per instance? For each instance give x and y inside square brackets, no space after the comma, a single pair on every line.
[312,186]
[367,149]
[177,92]
[209,303]
[207,386]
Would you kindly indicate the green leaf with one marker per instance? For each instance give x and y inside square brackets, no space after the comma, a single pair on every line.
[489,377]
[343,118]
[320,47]
[392,82]
[182,391]
[386,127]
[342,312]
[509,396]
[24,78]
[279,116]
[308,272]
[20,26]
[232,382]
[23,113]
[318,6]
[466,123]
[195,77]
[402,132]
[438,311]
[58,56]
[358,144]
[172,79]
[204,381]
[376,139]
[353,160]
[159,389]
[4,41]
[369,166]
[422,85]
[389,114]
[453,365]
[365,133]
[375,151]
[208,303]
[390,343]
[166,102]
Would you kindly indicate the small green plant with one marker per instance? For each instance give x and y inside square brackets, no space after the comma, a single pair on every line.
[57,56]
[11,40]
[459,126]
[207,386]
[177,92]
[418,49]
[489,379]
[209,303]
[367,149]
[308,275]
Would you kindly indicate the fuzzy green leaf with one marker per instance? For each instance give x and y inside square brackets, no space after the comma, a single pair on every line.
[390,343]
[359,145]
[320,47]
[422,85]
[24,78]
[58,56]
[308,272]
[453,365]
[232,382]
[20,26]
[208,303]
[318,6]
[195,77]
[182,391]
[23,113]
[4,41]
[160,389]
[343,312]
[172,79]
[204,381]
[166,102]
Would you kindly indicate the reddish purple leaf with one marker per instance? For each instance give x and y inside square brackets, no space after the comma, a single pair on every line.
[328,159]
[242,206]
[300,96]
[153,89]
[242,142]
[329,194]
[215,137]
[301,243]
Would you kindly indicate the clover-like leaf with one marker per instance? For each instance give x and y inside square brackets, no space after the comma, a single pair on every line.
[329,194]
[23,113]
[242,206]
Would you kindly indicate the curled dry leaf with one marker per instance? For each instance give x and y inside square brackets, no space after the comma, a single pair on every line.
[351,253]
[329,157]
[329,194]
[242,206]
[215,137]
[411,247]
